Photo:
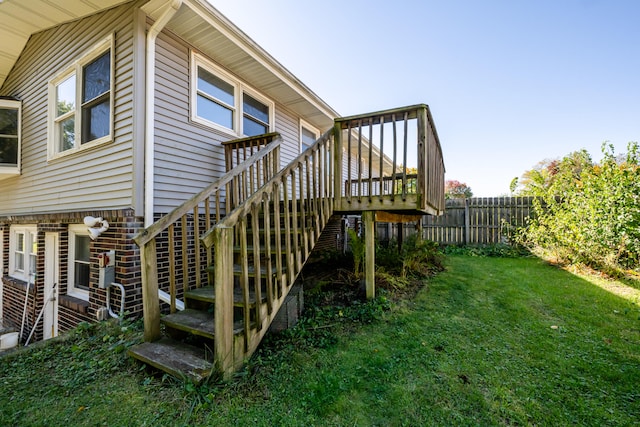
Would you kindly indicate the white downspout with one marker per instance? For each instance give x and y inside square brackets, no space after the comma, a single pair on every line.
[150,79]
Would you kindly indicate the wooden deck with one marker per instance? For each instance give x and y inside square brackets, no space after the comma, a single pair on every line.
[239,245]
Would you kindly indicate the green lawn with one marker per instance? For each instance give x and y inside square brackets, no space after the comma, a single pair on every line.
[491,341]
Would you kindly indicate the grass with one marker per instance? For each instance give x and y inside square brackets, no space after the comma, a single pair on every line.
[491,341]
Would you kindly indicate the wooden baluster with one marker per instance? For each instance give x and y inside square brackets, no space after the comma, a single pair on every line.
[172,268]
[278,238]
[303,213]
[404,162]
[257,267]
[267,251]
[244,279]
[287,230]
[315,170]
[381,170]
[348,190]
[207,214]
[294,212]
[395,154]
[370,171]
[359,160]
[185,268]
[196,241]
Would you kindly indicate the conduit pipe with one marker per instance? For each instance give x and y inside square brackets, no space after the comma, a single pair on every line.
[111,313]
[150,79]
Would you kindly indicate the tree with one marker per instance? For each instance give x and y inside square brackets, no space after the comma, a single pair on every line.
[557,176]
[456,190]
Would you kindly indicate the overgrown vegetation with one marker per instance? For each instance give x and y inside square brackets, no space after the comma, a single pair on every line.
[490,341]
[405,267]
[586,212]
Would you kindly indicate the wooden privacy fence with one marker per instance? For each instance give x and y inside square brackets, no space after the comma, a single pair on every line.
[478,220]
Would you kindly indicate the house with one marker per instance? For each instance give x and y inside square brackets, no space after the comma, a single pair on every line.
[149,148]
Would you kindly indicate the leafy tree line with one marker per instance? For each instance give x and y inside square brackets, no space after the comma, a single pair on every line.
[586,212]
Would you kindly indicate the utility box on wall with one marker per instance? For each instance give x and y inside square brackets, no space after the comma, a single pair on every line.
[106,268]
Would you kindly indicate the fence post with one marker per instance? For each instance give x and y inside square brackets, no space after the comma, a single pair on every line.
[467,222]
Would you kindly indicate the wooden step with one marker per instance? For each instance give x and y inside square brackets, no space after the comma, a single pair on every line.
[251,271]
[196,322]
[193,321]
[176,358]
[207,294]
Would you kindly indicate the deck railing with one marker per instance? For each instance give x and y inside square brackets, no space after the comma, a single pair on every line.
[171,252]
[262,245]
[390,160]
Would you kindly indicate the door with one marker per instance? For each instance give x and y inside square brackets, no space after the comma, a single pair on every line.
[51,275]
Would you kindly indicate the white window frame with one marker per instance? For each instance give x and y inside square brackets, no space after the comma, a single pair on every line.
[75,230]
[30,235]
[76,69]
[9,104]
[309,128]
[240,88]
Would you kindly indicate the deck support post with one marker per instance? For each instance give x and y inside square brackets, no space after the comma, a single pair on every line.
[368,218]
[223,285]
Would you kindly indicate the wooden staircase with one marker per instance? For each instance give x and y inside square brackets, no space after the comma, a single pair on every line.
[233,251]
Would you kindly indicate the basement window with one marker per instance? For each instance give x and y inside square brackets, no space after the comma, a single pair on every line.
[220,101]
[79,267]
[23,249]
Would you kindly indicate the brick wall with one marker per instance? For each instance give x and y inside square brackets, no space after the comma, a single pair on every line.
[123,225]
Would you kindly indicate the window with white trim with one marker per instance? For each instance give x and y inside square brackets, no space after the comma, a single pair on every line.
[79,267]
[10,144]
[308,135]
[81,102]
[221,101]
[23,252]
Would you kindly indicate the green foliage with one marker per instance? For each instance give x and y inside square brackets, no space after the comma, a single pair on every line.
[589,213]
[492,341]
[499,250]
[417,259]
[358,248]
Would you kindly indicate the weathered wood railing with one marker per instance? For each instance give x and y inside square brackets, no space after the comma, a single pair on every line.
[171,252]
[263,244]
[380,147]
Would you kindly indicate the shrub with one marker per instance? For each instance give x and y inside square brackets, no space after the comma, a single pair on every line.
[592,215]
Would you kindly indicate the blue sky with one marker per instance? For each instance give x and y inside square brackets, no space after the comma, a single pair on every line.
[509,82]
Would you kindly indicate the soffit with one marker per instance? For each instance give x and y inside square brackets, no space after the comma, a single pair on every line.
[21,18]
[212,34]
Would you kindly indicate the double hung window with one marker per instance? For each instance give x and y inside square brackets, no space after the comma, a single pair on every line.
[10,137]
[218,100]
[23,245]
[81,102]
[308,135]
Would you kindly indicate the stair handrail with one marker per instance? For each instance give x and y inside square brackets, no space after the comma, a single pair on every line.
[305,184]
[232,217]
[259,167]
[161,224]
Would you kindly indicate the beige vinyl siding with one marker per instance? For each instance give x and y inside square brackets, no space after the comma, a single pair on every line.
[100,178]
[189,156]
[287,126]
